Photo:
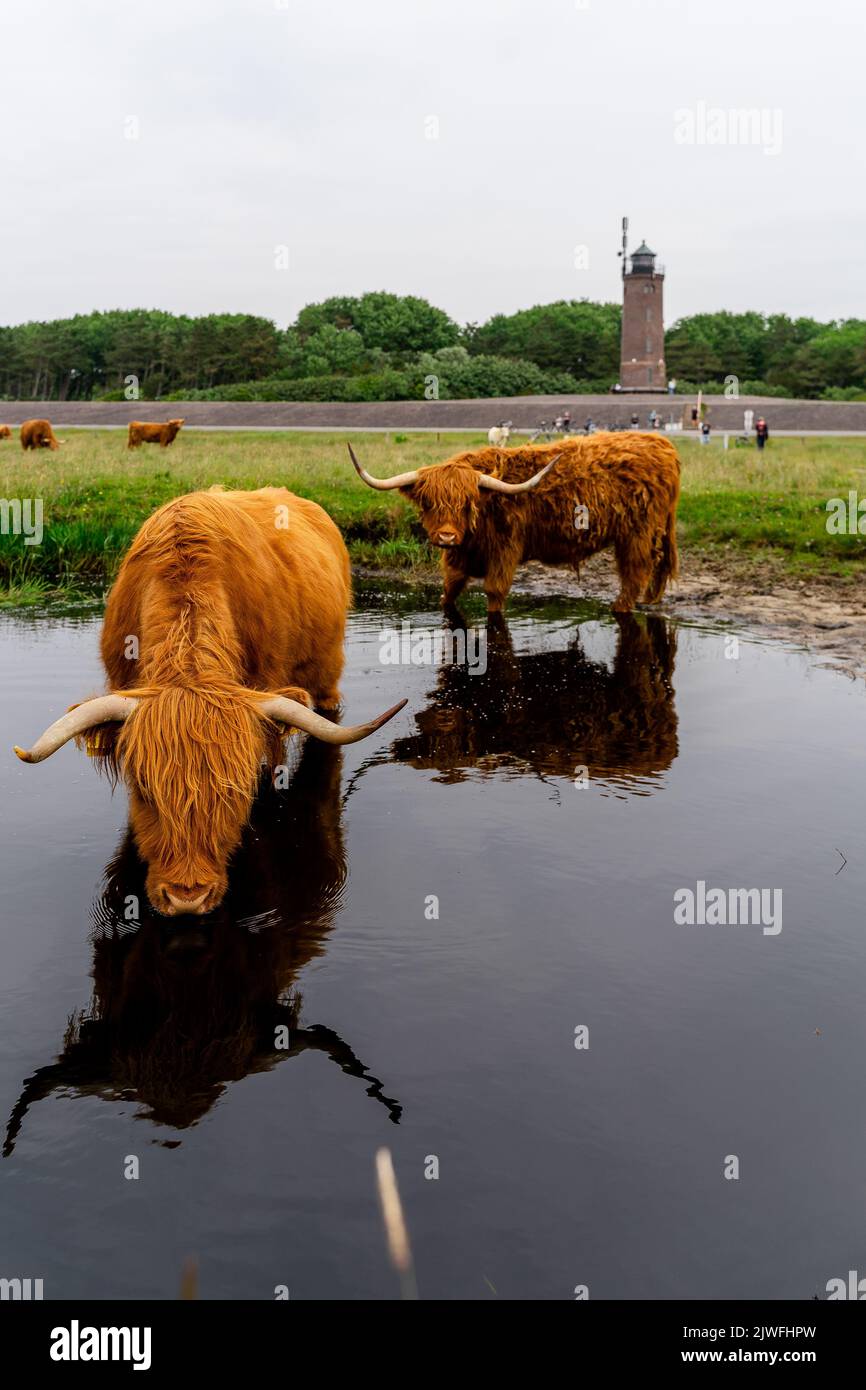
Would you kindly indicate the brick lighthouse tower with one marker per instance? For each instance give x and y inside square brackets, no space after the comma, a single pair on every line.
[642,357]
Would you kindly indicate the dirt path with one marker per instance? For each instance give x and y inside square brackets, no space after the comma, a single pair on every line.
[826,616]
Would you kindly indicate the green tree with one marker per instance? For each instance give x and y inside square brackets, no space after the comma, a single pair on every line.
[391,322]
[573,335]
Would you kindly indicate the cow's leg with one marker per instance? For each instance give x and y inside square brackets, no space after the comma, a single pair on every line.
[454,581]
[498,581]
[634,561]
[323,677]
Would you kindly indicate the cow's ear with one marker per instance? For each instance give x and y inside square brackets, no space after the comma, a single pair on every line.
[408,490]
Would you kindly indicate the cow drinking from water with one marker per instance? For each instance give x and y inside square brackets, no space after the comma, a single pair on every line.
[223,631]
[492,509]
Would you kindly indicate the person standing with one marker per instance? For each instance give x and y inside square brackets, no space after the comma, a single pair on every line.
[762,434]
[635,421]
[705,432]
[672,385]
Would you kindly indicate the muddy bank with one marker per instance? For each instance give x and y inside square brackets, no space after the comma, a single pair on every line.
[826,616]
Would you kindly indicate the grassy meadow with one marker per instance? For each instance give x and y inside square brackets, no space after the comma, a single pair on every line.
[741,503]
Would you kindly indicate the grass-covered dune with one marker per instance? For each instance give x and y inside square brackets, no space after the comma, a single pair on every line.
[95,495]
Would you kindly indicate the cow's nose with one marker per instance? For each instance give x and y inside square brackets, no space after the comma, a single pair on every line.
[183,899]
[447,537]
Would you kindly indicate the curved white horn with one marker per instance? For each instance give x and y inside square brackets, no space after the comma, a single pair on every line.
[497,485]
[286,711]
[103,709]
[383,484]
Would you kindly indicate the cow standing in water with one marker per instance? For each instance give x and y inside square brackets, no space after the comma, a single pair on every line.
[492,509]
[223,631]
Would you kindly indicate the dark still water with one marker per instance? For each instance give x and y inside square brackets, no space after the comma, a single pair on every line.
[548,810]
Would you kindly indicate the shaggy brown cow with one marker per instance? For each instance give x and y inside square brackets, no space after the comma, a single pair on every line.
[615,490]
[223,630]
[163,435]
[38,434]
[5,432]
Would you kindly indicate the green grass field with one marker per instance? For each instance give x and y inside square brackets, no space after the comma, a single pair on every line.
[96,495]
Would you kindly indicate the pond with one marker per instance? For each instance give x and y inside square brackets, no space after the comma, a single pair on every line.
[498,937]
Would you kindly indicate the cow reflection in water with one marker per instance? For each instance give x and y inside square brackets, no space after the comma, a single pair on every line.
[550,713]
[182,1006]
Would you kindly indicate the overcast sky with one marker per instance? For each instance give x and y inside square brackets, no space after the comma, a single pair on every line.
[307,124]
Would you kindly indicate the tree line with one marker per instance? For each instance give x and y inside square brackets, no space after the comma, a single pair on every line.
[383,347]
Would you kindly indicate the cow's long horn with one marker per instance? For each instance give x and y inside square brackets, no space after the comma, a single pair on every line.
[286,711]
[497,484]
[104,709]
[383,484]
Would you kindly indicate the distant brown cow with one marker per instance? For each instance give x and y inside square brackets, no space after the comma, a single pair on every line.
[617,490]
[38,434]
[5,432]
[163,435]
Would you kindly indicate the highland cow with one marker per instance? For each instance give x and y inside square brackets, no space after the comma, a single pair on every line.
[141,433]
[490,510]
[223,631]
[5,431]
[38,434]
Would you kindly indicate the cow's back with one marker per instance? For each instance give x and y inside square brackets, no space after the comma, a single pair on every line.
[260,579]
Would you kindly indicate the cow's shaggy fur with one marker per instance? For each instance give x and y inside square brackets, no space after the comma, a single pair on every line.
[38,434]
[617,490]
[141,433]
[226,594]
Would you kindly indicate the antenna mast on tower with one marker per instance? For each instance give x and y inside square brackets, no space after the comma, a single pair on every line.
[624,251]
